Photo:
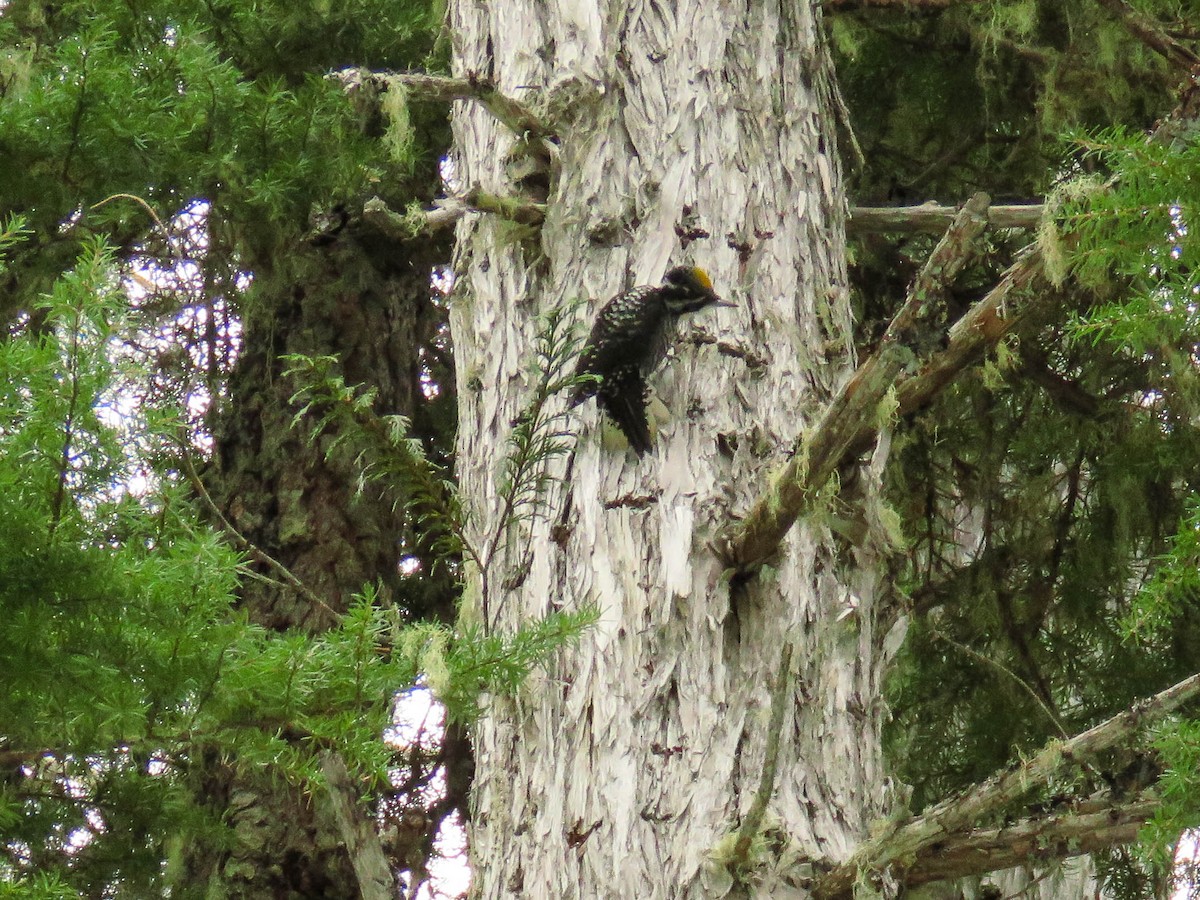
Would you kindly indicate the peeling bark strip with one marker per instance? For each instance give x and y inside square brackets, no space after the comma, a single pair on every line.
[855,409]
[956,816]
[842,5]
[752,824]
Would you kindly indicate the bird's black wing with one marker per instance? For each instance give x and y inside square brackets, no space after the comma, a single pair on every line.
[585,366]
[623,396]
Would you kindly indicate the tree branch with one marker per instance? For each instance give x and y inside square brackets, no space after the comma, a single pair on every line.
[928,218]
[375,880]
[752,824]
[982,327]
[957,816]
[932,218]
[405,226]
[446,212]
[523,212]
[855,409]
[513,114]
[1149,33]
[1075,832]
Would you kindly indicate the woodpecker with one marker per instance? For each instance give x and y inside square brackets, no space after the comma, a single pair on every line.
[630,338]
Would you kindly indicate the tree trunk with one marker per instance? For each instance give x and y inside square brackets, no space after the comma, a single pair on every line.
[693,134]
[372,311]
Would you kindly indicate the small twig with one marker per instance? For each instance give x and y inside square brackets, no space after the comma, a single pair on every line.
[752,823]
[143,204]
[64,463]
[1004,670]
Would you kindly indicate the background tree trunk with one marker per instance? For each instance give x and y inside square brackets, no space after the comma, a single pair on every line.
[373,314]
[372,311]
[693,134]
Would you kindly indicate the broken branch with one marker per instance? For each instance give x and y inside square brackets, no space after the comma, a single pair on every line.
[1149,33]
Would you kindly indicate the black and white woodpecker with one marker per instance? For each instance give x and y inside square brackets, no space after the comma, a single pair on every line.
[630,338]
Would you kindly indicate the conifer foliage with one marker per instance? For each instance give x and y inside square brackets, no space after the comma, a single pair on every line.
[171,172]
[230,530]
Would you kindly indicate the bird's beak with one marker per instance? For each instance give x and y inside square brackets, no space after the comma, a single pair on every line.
[718,301]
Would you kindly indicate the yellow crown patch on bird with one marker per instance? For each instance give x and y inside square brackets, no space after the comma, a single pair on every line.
[702,277]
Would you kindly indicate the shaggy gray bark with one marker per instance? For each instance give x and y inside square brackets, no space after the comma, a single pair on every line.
[694,134]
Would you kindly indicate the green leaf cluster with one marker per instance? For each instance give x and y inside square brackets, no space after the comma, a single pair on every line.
[125,660]
[226,103]
[540,434]
[461,670]
[1135,225]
